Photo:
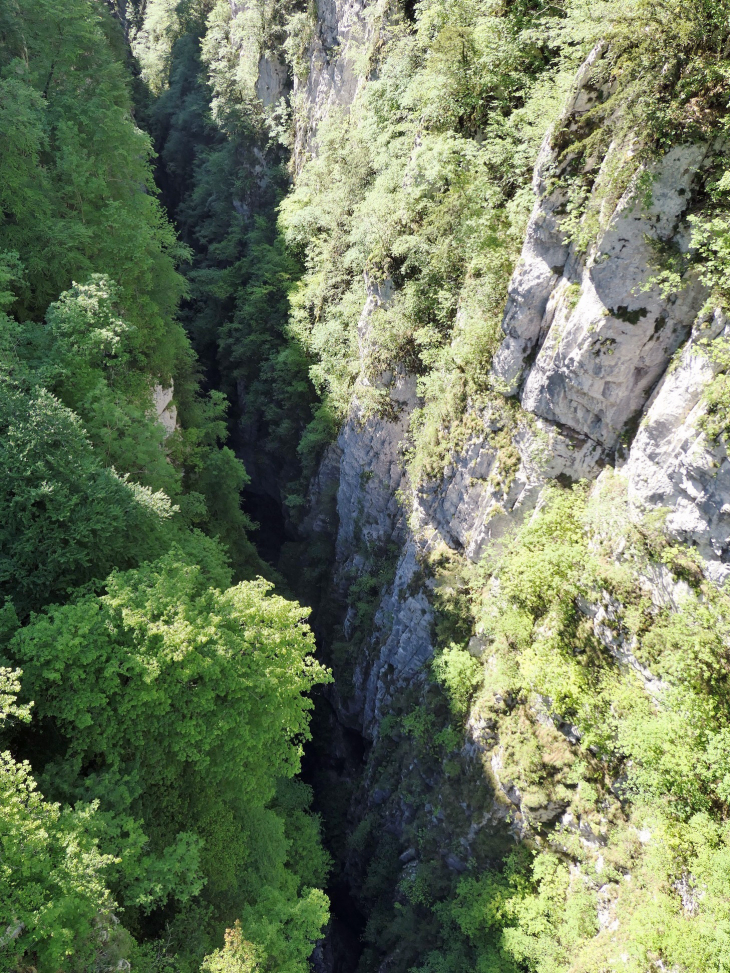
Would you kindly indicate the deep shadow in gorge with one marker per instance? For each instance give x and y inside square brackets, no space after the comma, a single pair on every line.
[333,763]
[238,205]
[270,533]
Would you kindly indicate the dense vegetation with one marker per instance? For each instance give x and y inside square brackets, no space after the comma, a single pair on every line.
[153,691]
[419,191]
[614,774]
[222,169]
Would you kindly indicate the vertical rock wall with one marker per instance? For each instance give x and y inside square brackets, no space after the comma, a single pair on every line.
[598,367]
[336,64]
[589,337]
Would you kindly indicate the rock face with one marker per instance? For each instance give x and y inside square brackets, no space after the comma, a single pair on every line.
[371,525]
[589,334]
[165,408]
[371,474]
[332,77]
[544,254]
[271,84]
[672,465]
[608,332]
[471,507]
[608,370]
[400,646]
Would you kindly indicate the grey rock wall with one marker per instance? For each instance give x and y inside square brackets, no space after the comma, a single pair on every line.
[608,331]
[371,474]
[673,467]
[588,334]
[271,84]
[589,338]
[465,512]
[165,408]
[401,644]
[469,508]
[608,371]
[544,255]
[334,70]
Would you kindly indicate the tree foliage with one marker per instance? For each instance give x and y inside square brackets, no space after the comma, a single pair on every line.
[66,518]
[146,775]
[217,679]
[78,195]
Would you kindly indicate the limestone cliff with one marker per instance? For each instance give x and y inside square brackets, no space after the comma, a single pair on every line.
[588,342]
[601,376]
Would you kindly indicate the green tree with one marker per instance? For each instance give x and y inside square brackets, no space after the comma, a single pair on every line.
[91,367]
[64,518]
[180,705]
[77,191]
[57,911]
[223,176]
[236,956]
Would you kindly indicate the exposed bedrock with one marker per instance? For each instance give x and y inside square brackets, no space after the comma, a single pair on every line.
[588,329]
[589,336]
[674,467]
[608,331]
[334,73]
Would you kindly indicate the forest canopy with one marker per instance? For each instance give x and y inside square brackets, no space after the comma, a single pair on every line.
[154,691]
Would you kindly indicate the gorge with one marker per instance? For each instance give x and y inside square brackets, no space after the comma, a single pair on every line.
[417,311]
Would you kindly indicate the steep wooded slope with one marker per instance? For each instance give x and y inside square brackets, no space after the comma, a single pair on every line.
[153,691]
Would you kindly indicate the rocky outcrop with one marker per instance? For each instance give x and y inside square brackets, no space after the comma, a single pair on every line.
[673,466]
[271,83]
[609,332]
[371,525]
[588,334]
[371,475]
[545,251]
[607,626]
[479,498]
[336,63]
[609,370]
[261,70]
[402,642]
[165,408]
